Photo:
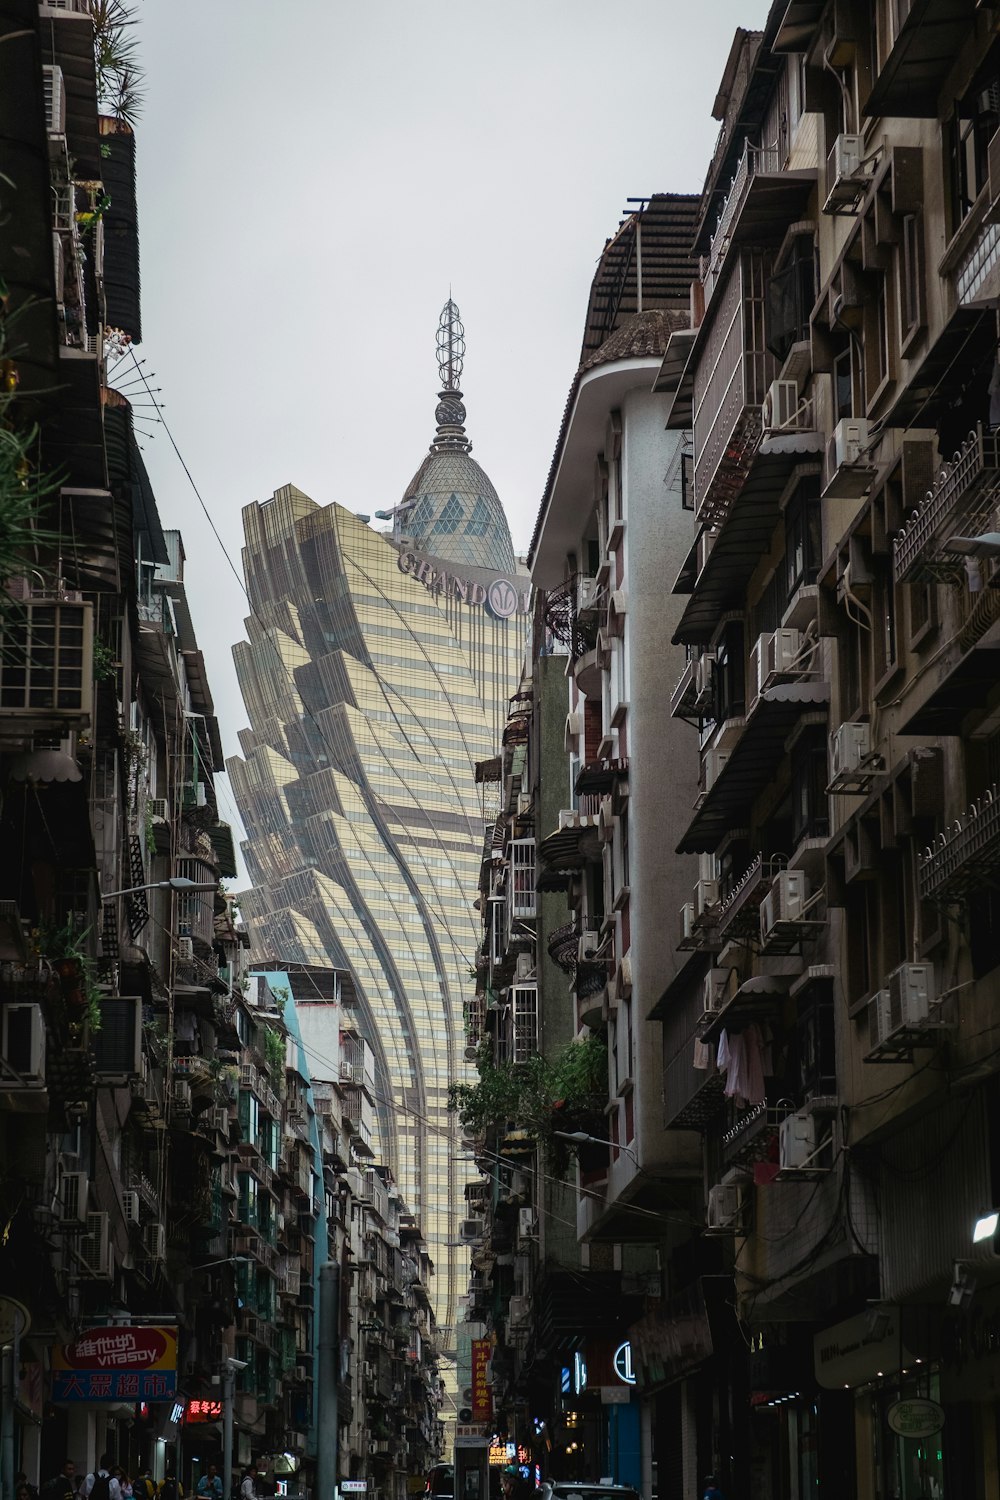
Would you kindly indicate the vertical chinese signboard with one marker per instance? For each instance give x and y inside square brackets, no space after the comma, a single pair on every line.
[482,1394]
[116,1364]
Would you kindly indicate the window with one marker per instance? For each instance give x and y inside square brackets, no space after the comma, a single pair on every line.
[912,313]
[810,807]
[791,293]
[803,542]
[843,383]
[729,677]
[479,521]
[448,520]
[883,623]
[976,120]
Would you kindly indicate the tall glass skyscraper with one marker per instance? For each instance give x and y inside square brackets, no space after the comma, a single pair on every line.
[375,673]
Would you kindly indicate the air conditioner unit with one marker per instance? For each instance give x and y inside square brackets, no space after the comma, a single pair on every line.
[469,1230]
[519,1309]
[159,808]
[706,898]
[54,94]
[704,678]
[687,922]
[605,821]
[775,653]
[845,175]
[715,764]
[94,1248]
[130,1206]
[784,902]
[796,1141]
[155,1240]
[524,804]
[850,744]
[879,1023]
[587,946]
[301,1372]
[180,1092]
[525,966]
[725,1206]
[617,609]
[185,949]
[22,1042]
[586,594]
[847,447]
[714,990]
[527,1222]
[781,406]
[74,1191]
[911,994]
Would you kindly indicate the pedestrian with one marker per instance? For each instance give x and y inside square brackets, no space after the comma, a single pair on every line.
[101,1484]
[22,1491]
[171,1487]
[711,1489]
[124,1483]
[210,1484]
[62,1486]
[144,1488]
[21,1482]
[250,1487]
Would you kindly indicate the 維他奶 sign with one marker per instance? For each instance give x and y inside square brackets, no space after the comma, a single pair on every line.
[116,1364]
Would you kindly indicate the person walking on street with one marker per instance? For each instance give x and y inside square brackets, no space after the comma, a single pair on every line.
[209,1486]
[250,1488]
[170,1487]
[101,1484]
[144,1488]
[61,1486]
[711,1489]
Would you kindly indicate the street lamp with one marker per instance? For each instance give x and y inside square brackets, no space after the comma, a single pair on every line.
[224,1260]
[581,1138]
[175,883]
[987,545]
[228,1377]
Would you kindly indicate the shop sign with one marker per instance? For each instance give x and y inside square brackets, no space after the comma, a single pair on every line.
[482,1393]
[916,1418]
[15,1319]
[859,1349]
[502,597]
[203,1411]
[353,1486]
[671,1342]
[471,1435]
[624,1368]
[615,1395]
[119,1363]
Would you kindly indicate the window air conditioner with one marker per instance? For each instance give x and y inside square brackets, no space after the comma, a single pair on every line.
[587,946]
[704,678]
[775,653]
[525,966]
[879,1025]
[180,1092]
[586,595]
[845,175]
[469,1230]
[781,406]
[94,1248]
[130,1206]
[527,1221]
[715,764]
[155,1240]
[784,902]
[519,1309]
[54,94]
[911,994]
[714,990]
[796,1141]
[847,448]
[687,922]
[850,744]
[23,1045]
[74,1190]
[725,1206]
[524,804]
[706,898]
[185,949]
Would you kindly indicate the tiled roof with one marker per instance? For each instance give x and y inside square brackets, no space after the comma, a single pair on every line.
[641,335]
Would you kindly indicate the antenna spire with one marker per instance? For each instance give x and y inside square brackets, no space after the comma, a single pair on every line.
[450,413]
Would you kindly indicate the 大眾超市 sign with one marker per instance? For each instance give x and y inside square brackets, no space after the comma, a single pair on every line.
[116,1364]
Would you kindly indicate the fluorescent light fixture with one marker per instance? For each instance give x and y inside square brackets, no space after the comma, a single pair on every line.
[986,1227]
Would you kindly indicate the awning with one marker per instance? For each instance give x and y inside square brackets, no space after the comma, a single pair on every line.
[488,770]
[569,848]
[745,535]
[44,765]
[755,999]
[751,763]
[798,25]
[922,56]
[676,377]
[221,839]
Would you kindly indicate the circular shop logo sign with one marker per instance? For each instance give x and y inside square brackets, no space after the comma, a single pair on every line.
[624,1368]
[915,1419]
[501,598]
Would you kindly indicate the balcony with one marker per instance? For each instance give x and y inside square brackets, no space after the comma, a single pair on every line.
[762,201]
[965,859]
[739,914]
[963,501]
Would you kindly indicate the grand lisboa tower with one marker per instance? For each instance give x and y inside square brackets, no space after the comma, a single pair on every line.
[375,673]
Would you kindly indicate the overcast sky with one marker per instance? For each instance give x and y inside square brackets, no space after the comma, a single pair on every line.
[313,177]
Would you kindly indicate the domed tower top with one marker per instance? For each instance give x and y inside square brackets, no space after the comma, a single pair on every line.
[450,508]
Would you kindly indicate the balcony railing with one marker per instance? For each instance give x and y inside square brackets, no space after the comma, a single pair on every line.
[963,500]
[966,855]
[739,913]
[755,160]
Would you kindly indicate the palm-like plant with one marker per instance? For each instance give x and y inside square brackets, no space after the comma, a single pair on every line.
[116,50]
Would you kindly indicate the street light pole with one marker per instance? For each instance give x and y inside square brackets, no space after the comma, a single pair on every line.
[582,1138]
[228,1380]
[175,883]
